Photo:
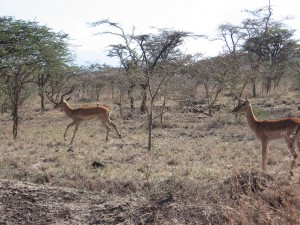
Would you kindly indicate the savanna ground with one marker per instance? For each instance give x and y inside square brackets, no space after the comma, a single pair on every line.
[201,170]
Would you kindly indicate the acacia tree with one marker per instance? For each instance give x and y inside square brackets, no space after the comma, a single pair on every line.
[143,57]
[269,44]
[159,61]
[259,49]
[125,52]
[212,75]
[16,62]
[275,52]
[234,58]
[139,54]
[53,56]
[21,50]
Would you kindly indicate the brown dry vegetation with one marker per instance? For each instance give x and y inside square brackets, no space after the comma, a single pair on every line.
[202,170]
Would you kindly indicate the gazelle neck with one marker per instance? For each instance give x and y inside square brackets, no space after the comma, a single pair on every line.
[252,122]
[67,109]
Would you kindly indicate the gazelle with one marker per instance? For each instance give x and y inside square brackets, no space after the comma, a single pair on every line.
[269,130]
[83,114]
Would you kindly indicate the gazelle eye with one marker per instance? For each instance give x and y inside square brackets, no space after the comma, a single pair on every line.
[244,103]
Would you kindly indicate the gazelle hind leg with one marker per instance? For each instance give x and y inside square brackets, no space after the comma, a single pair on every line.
[108,123]
[294,155]
[291,141]
[107,130]
[111,124]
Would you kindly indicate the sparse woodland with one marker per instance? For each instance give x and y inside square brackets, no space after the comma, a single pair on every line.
[184,157]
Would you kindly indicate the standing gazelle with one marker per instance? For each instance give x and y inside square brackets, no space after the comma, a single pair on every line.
[83,114]
[269,130]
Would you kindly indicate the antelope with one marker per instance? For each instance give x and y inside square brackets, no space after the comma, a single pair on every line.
[269,130]
[84,114]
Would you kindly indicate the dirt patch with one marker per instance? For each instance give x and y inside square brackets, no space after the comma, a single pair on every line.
[24,203]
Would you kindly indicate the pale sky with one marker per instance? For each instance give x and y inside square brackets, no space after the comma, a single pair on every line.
[196,16]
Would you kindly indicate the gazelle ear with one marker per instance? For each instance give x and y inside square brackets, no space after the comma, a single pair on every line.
[68,98]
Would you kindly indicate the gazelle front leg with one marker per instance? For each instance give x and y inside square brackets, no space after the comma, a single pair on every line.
[75,131]
[265,147]
[71,124]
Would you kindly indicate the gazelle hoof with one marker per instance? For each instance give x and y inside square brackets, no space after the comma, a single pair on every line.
[70,148]
[291,174]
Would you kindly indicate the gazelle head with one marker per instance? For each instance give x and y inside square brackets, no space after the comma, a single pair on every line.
[60,104]
[242,106]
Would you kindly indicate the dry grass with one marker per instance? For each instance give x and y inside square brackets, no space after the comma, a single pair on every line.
[197,163]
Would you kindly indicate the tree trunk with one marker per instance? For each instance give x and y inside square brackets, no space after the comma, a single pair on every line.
[210,110]
[150,124]
[144,100]
[42,102]
[131,98]
[16,121]
[162,112]
[253,88]
[97,94]
[120,104]
[268,84]
[112,90]
[2,108]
